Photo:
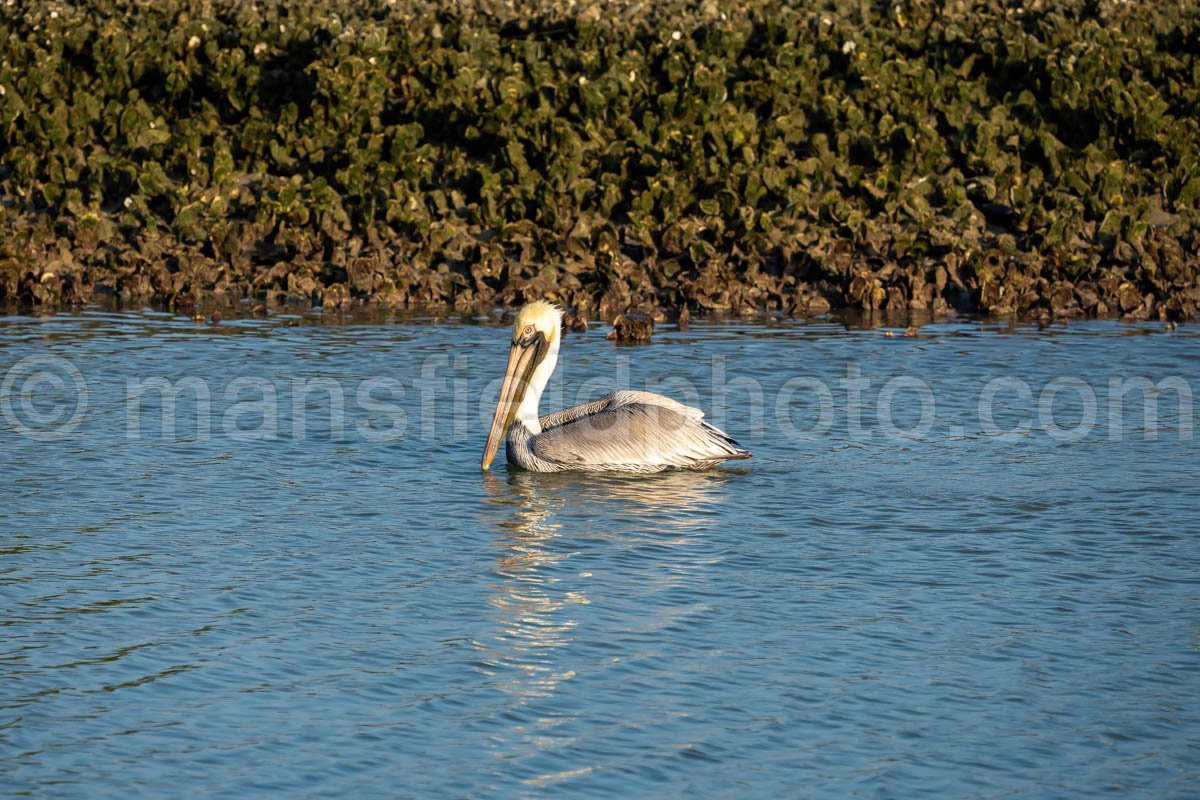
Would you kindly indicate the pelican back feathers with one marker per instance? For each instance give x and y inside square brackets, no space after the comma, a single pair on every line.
[625,431]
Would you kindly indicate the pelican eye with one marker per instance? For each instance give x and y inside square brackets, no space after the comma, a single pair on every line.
[529,335]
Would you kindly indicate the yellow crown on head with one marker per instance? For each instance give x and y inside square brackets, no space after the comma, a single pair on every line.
[539,316]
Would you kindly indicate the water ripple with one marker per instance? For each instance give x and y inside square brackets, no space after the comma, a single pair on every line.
[953,614]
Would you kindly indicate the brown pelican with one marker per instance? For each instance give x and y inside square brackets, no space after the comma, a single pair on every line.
[625,431]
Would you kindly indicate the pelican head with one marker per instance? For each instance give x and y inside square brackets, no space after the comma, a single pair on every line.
[535,336]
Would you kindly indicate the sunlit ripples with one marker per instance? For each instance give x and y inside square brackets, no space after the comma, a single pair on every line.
[951,614]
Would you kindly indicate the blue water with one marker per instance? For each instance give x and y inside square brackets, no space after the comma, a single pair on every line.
[948,605]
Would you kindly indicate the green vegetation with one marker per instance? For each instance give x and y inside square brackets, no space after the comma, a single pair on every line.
[1003,157]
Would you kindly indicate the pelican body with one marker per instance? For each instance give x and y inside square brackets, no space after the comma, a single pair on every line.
[625,431]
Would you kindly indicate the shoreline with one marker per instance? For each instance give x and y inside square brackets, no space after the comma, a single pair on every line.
[900,325]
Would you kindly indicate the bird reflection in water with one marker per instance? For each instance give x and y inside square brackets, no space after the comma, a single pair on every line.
[528,596]
[536,592]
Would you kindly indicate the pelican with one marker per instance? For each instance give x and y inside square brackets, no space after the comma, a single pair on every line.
[625,431]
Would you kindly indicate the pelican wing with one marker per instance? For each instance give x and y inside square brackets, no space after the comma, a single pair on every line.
[632,431]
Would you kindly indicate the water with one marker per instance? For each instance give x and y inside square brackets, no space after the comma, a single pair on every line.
[969,608]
